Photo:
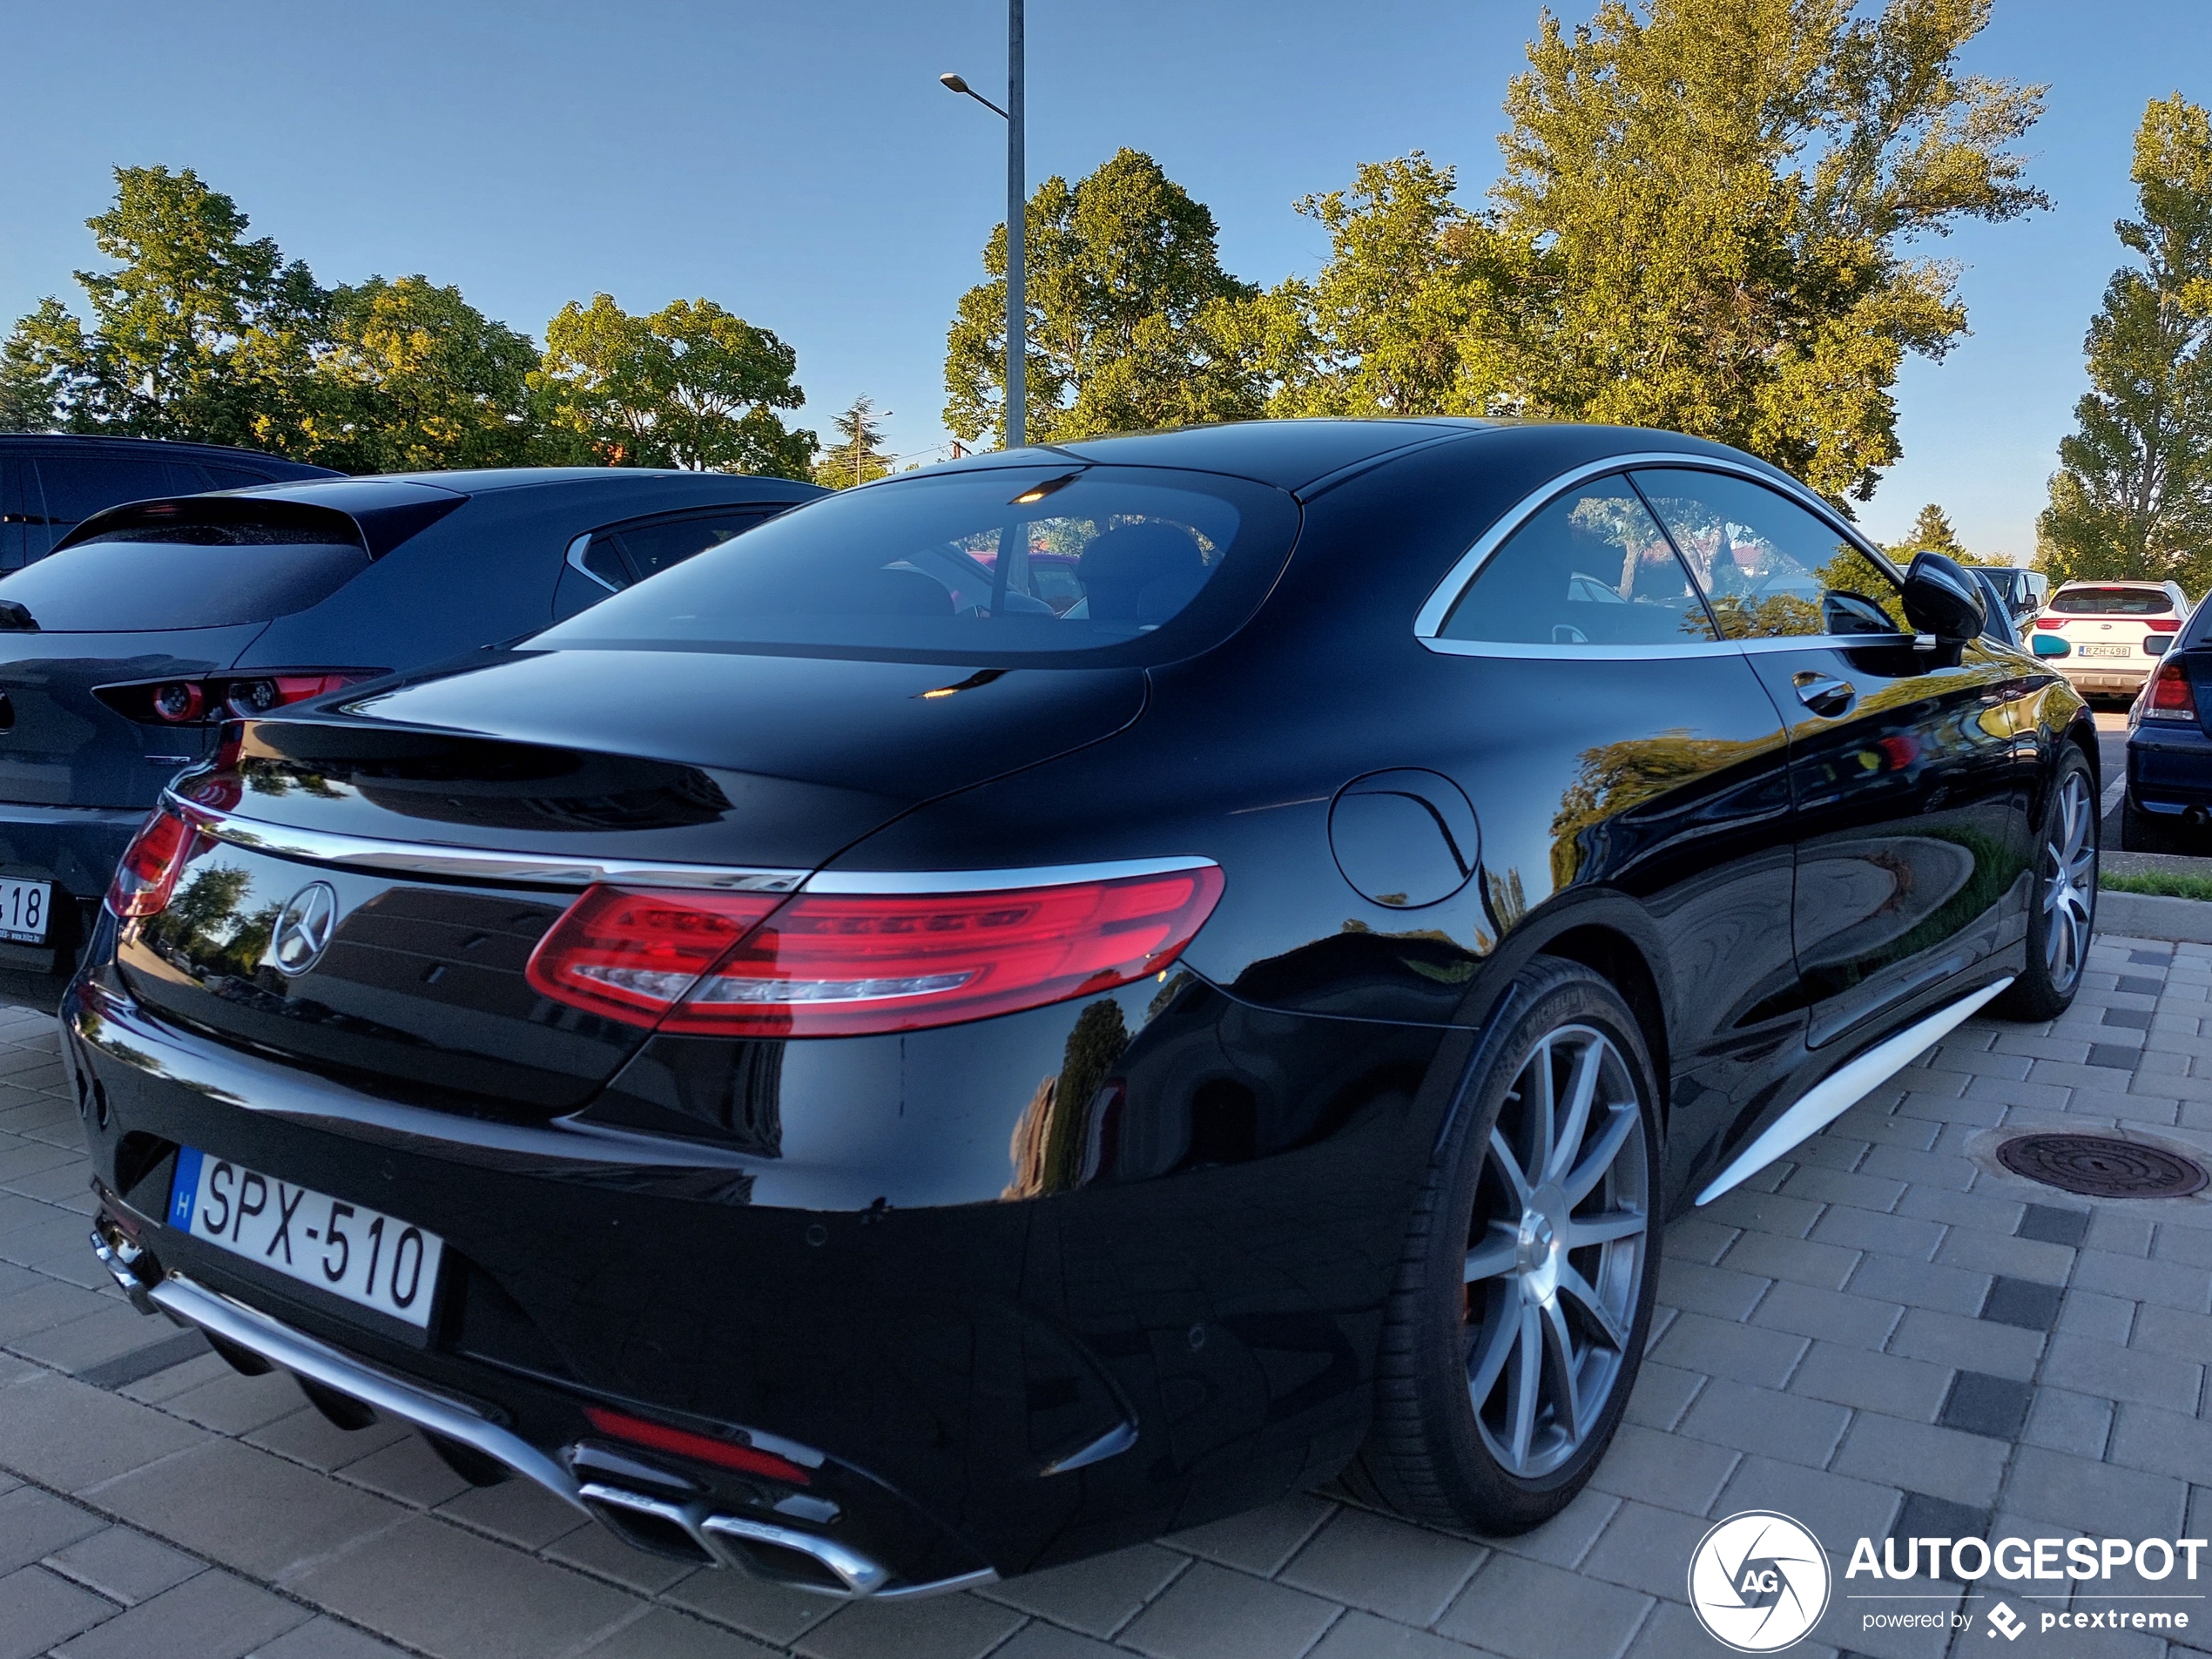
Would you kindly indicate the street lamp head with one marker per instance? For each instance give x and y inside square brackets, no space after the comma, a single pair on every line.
[954,84]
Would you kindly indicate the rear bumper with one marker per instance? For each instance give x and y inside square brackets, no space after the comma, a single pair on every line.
[2104,680]
[2169,766]
[987,1386]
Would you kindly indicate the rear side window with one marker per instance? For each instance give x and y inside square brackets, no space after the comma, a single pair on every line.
[232,477]
[184,575]
[1591,568]
[2114,602]
[975,565]
[1767,567]
[73,488]
[622,554]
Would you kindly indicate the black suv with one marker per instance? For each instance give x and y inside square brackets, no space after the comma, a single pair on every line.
[50,484]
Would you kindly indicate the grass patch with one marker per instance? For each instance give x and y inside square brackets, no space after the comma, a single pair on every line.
[2159,883]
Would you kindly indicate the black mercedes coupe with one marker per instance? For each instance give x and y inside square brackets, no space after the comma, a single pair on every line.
[841,1063]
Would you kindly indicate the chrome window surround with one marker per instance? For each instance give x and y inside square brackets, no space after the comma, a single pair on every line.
[1428,622]
[574,558]
[558,870]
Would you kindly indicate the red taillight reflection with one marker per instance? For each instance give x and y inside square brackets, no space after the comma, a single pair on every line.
[147,876]
[2171,697]
[703,1447]
[847,964]
[2163,625]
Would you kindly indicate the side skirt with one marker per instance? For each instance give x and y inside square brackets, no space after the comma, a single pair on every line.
[1845,1087]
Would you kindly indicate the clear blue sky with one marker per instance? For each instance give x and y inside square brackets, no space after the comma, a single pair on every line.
[801,164]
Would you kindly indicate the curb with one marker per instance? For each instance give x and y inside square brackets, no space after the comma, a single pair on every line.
[2144,915]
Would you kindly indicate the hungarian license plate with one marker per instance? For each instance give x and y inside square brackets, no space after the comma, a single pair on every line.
[25,908]
[2106,650]
[376,1260]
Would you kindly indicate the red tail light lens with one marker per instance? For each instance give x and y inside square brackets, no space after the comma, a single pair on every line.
[147,876]
[2163,625]
[2171,698]
[196,701]
[848,964]
[2050,622]
[730,1454]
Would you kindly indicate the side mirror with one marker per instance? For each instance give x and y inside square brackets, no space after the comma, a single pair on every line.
[1942,599]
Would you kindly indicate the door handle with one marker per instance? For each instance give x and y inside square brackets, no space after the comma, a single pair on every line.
[1823,694]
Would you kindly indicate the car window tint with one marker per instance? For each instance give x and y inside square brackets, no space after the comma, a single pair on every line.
[194,576]
[602,558]
[1766,565]
[2114,602]
[232,477]
[653,547]
[1589,568]
[76,486]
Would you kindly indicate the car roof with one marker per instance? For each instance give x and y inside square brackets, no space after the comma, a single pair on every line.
[97,441]
[2115,582]
[495,480]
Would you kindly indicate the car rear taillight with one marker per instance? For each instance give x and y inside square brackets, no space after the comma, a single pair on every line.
[704,1448]
[147,876]
[195,702]
[2163,625]
[821,964]
[2050,622]
[2171,697]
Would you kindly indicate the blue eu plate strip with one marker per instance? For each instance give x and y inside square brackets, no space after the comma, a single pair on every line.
[186,1188]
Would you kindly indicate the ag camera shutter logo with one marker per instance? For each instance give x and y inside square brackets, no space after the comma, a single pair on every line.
[1758,1582]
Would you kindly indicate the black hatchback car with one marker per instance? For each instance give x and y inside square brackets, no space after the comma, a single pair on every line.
[840,1066]
[150,623]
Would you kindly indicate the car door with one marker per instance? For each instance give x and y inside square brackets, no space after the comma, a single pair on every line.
[1905,773]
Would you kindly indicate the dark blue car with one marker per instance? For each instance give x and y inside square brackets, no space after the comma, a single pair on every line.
[123,649]
[2169,748]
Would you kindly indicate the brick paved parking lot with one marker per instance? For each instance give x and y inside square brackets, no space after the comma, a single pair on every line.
[1891,1334]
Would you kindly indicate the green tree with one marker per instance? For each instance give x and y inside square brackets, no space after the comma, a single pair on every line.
[1133,323]
[1703,225]
[860,457]
[2133,494]
[691,386]
[410,377]
[198,331]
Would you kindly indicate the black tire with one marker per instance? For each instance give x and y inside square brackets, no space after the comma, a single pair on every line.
[2062,905]
[1437,1452]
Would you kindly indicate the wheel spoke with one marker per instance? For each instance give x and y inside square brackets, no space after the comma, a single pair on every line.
[1509,1166]
[1493,1256]
[1582,1089]
[1559,1368]
[1497,1338]
[1587,1174]
[1572,1284]
[1542,1110]
[1605,1229]
[1524,1383]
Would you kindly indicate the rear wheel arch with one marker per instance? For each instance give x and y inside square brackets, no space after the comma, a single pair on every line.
[1616,958]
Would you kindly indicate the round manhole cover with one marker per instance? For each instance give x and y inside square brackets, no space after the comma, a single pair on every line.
[2097,1166]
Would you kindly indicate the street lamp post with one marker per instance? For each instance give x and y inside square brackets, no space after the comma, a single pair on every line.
[1017,307]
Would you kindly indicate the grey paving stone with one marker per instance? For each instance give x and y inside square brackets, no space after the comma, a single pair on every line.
[162,1353]
[1402,1572]
[39,1610]
[1981,1404]
[1717,1290]
[1209,1612]
[2023,1302]
[2099,1499]
[2089,1313]
[2170,1331]
[2014,1257]
[1646,1548]
[1848,1375]
[1937,1169]
[1808,1311]
[1981,1209]
[65,1434]
[2065,1421]
[1941,1462]
[124,1564]
[1922,1516]
[521,1512]
[1693,1238]
[45,1305]
[1361,1635]
[1833,1506]
[2176,1242]
[1720,1348]
[1836,1186]
[212,1616]
[35,1524]
[598,1551]
[95,1344]
[275,1518]
[1259,1540]
[408,1470]
[2173,1285]
[1801,1260]
[1784,1426]
[1104,1593]
[2093,1367]
[1967,1344]
[1527,1610]
[1567,1537]
[1662,1394]
[1919,1284]
[231,1404]
[772,1612]
[949,1627]
[426,1584]
[1049,1642]
[306,1436]
[325,1638]
[662,1632]
[1765,1212]
[2163,1442]
[1672,1469]
[1856,1228]
[2054,1225]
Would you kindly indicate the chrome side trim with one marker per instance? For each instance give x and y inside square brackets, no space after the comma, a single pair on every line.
[574,560]
[472,864]
[1429,620]
[1845,1087]
[303,1356]
[1651,653]
[1048,875]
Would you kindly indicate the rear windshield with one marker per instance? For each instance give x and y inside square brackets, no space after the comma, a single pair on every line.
[184,575]
[1120,563]
[2114,602]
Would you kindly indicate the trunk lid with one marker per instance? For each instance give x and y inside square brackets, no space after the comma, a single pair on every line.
[564,761]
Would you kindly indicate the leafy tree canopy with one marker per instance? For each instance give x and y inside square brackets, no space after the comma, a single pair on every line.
[2133,494]
[1133,323]
[689,386]
[859,455]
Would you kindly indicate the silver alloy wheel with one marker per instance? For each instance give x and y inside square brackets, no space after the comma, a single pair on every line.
[1557,1250]
[2069,882]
